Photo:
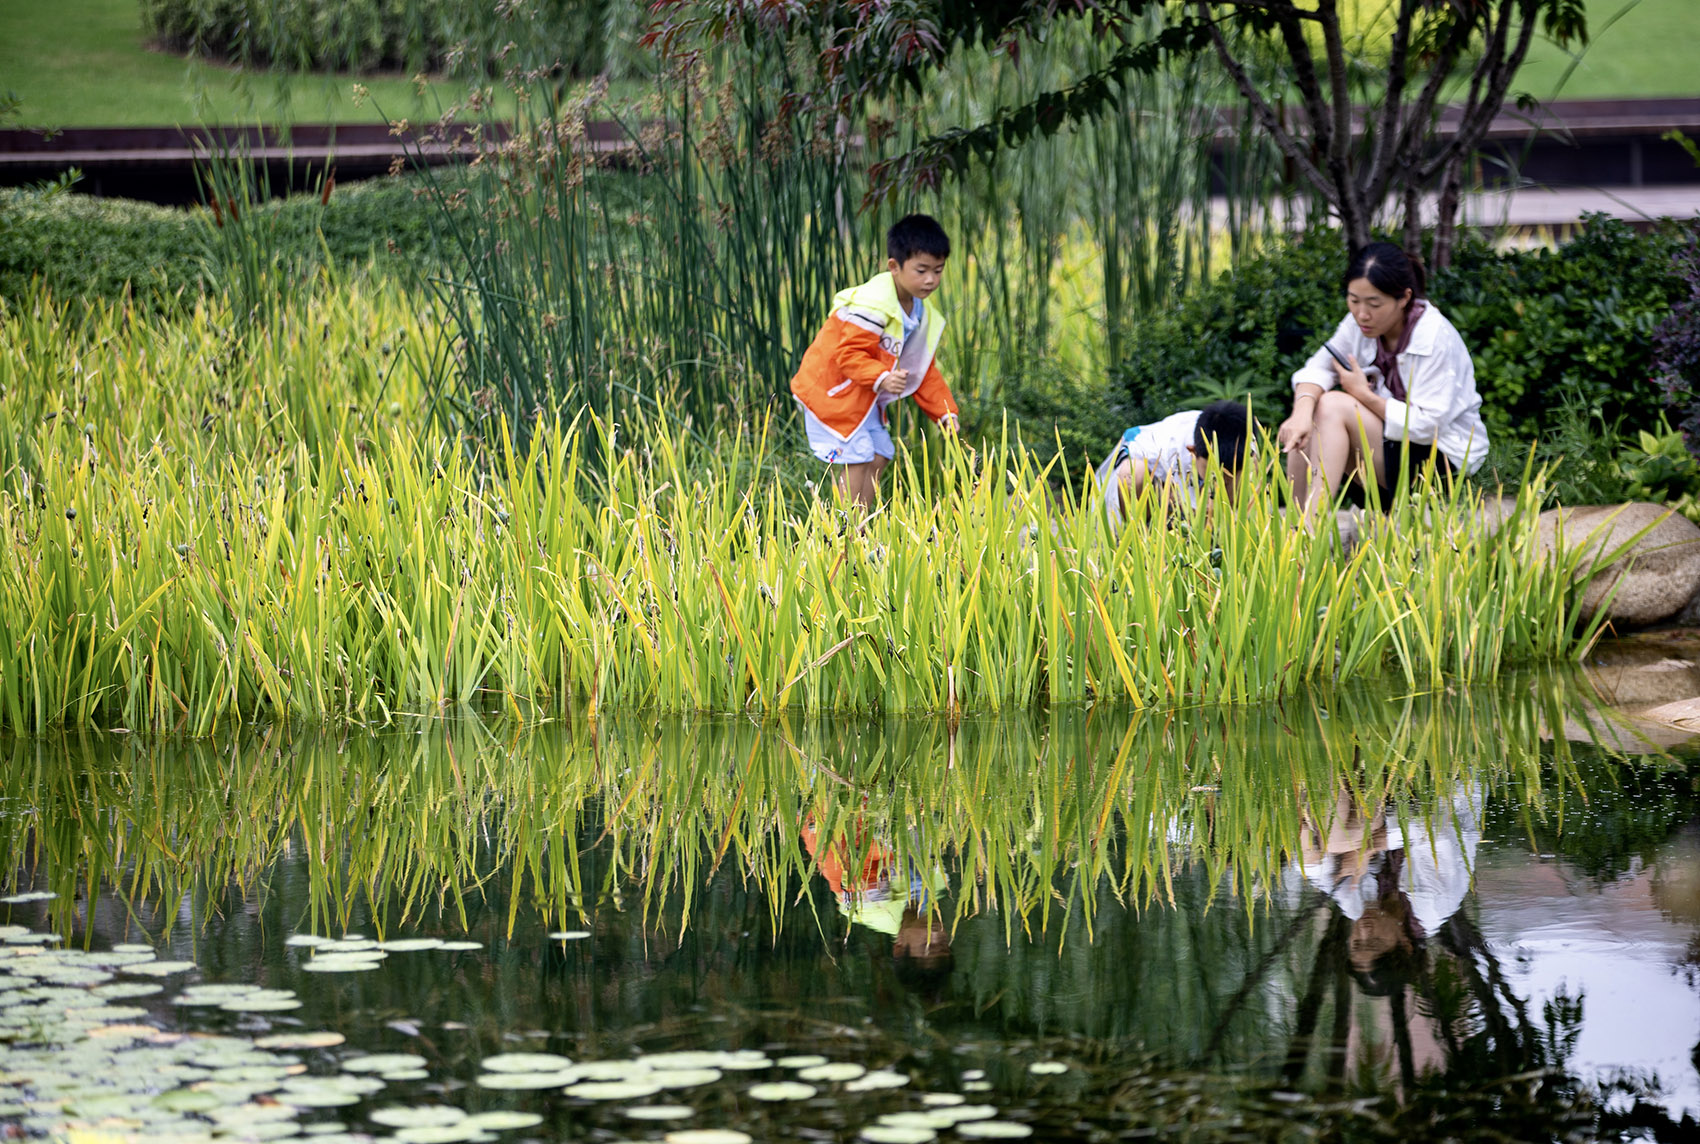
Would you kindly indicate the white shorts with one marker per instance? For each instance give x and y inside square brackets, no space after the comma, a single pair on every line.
[870,440]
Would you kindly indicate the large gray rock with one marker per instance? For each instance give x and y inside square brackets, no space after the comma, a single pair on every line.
[1654,579]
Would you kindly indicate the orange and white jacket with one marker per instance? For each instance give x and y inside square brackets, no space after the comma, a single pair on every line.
[856,348]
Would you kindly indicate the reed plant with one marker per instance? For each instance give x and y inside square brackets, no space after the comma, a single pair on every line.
[1042,822]
[199,533]
[696,265]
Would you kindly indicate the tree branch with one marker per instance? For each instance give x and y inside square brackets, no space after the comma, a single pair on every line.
[1414,132]
[1479,113]
[1266,116]
[1380,173]
[1353,215]
[1288,20]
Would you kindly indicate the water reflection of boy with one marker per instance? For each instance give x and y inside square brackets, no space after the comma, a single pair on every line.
[874,888]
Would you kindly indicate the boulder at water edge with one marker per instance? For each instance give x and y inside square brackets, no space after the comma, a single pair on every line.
[1654,579]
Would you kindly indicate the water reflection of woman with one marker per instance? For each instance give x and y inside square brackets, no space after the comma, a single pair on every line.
[1397,885]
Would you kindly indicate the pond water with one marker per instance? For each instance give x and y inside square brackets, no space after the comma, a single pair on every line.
[1474,914]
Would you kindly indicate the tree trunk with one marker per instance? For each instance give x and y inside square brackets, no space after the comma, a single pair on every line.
[1413,220]
[1446,224]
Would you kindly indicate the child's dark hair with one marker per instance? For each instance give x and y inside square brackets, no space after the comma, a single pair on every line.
[916,234]
[1226,430]
[1389,269]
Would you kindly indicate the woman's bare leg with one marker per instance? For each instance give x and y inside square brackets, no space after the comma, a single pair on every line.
[1343,433]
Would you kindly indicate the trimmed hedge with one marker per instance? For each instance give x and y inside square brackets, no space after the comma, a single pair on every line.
[461,37]
[77,245]
[1554,333]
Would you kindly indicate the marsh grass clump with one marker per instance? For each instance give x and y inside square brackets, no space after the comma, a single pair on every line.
[257,536]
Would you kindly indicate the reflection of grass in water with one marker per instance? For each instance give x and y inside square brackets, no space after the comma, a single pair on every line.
[1035,819]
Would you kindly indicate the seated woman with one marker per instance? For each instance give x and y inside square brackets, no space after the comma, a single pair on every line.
[1391,391]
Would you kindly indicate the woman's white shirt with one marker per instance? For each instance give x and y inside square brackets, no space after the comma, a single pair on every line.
[1441,405]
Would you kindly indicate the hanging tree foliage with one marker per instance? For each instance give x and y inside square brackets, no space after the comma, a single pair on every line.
[1363,133]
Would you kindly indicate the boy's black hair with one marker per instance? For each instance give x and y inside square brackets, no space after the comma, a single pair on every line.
[916,234]
[1226,430]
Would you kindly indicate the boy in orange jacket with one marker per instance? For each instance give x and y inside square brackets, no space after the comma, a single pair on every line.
[877,347]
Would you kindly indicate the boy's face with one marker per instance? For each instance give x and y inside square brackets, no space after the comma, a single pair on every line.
[918,275]
[1201,464]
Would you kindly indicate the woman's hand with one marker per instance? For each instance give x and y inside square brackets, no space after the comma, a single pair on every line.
[1294,434]
[1354,381]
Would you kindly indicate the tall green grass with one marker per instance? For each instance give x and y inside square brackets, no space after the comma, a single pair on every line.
[199,532]
[697,266]
[1038,821]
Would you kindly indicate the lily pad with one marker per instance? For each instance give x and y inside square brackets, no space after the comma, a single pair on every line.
[658,1112]
[441,1133]
[306,939]
[834,1071]
[976,1086]
[410,945]
[745,1060]
[461,945]
[417,1116]
[891,1134]
[382,1063]
[191,1100]
[569,935]
[1047,1068]
[300,1041]
[963,1113]
[30,896]
[132,947]
[684,1078]
[878,1079]
[782,1090]
[502,1120]
[994,1130]
[707,1136]
[931,1099]
[334,963]
[526,1080]
[526,1062]
[684,1059]
[121,989]
[805,1061]
[159,968]
[931,1121]
[611,1090]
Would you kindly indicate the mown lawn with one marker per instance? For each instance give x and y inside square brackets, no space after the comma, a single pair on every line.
[79,63]
[1648,50]
[87,63]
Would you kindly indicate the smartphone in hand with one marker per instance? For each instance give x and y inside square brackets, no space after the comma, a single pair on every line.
[1335,354]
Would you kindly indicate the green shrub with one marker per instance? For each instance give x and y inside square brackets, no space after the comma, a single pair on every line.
[461,37]
[1549,330]
[80,246]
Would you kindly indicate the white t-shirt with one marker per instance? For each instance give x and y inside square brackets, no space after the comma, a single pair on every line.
[1165,447]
